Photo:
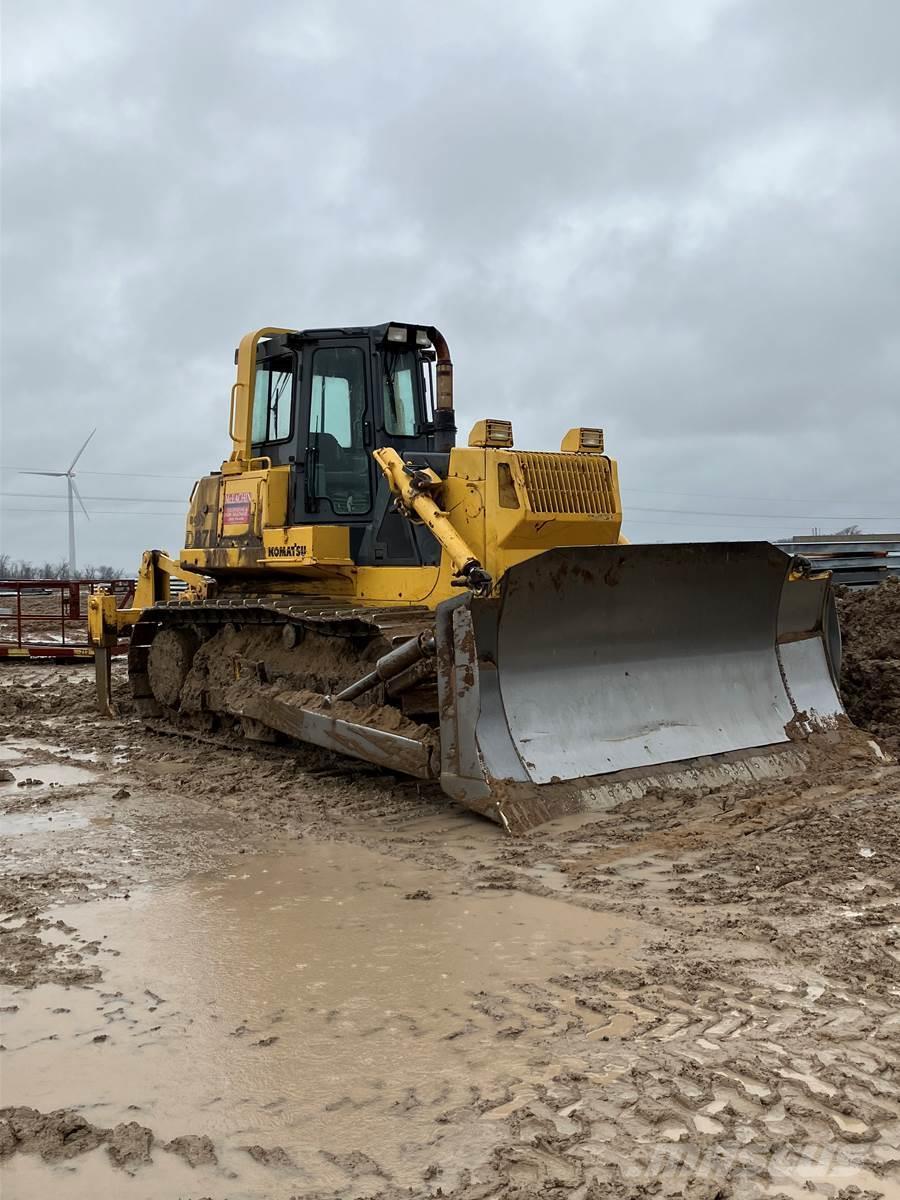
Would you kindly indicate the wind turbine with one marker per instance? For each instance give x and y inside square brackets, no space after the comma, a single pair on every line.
[73,494]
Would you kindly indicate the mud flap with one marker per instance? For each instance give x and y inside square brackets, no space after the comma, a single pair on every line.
[597,668]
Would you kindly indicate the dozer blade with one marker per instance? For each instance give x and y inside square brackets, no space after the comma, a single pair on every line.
[600,672]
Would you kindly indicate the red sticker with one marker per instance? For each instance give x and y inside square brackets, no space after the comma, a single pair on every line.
[237,508]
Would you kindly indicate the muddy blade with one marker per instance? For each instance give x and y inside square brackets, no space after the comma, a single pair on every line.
[598,667]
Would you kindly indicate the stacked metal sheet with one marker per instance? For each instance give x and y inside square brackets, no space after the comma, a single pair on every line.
[859,561]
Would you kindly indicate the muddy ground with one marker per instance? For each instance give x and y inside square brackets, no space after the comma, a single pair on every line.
[237,971]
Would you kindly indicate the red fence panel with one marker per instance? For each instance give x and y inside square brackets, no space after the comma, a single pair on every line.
[47,618]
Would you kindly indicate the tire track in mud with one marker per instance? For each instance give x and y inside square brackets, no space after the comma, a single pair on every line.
[760,1048]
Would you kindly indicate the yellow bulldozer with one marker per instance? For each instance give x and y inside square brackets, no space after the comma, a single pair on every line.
[465,614]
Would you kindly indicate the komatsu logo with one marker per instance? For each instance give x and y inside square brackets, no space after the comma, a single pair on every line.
[295,550]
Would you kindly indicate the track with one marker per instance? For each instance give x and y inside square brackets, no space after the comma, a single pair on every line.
[186,659]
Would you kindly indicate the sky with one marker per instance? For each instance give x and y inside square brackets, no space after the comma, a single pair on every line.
[676,219]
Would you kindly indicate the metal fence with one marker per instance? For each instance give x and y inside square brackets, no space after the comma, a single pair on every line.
[47,618]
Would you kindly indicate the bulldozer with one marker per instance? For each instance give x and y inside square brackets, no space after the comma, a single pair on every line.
[467,614]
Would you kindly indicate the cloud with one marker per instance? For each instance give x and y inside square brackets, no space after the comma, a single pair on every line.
[677,220]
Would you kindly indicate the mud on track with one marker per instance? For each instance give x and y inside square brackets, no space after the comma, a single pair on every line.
[241,972]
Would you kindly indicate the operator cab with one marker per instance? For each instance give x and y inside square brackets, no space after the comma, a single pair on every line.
[323,400]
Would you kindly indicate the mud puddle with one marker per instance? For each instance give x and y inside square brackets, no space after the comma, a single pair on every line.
[11,751]
[36,775]
[13,824]
[332,1001]
[35,749]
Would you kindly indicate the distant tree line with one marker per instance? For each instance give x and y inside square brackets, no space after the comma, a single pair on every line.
[18,568]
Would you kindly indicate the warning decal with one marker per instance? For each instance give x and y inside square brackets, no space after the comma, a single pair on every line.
[237,508]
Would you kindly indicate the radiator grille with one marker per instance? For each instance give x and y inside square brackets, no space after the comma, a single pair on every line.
[568,483]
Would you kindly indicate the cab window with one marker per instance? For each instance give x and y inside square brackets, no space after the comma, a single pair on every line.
[398,394]
[273,400]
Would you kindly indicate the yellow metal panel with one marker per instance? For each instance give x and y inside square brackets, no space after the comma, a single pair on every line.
[468,463]
[201,527]
[307,545]
[222,558]
[404,585]
[238,506]
[536,502]
[275,497]
[102,614]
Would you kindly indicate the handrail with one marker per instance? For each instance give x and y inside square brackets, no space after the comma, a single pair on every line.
[240,416]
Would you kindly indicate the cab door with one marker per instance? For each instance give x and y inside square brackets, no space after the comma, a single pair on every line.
[336,485]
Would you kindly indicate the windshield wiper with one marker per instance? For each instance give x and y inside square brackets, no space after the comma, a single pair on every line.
[389,379]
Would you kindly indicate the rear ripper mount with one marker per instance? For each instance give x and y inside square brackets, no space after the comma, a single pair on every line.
[553,695]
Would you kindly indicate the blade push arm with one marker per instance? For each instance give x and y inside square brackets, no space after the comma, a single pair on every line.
[414,489]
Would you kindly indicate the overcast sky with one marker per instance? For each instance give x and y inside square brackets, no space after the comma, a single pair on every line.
[674,218]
